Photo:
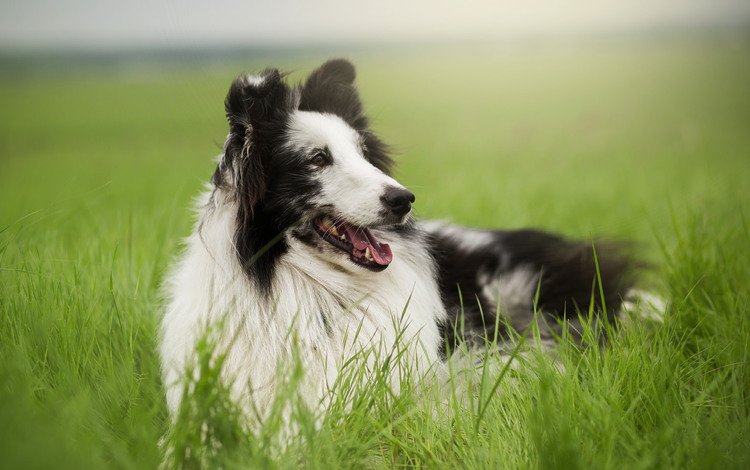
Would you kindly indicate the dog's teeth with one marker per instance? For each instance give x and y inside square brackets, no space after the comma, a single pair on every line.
[343,237]
[368,255]
[333,231]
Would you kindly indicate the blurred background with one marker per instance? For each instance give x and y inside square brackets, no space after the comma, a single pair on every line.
[583,116]
[108,25]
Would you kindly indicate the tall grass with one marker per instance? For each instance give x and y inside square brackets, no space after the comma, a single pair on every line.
[642,142]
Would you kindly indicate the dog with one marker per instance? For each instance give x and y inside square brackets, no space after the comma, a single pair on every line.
[305,244]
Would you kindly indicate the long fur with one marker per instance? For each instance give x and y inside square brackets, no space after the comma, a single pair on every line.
[256,264]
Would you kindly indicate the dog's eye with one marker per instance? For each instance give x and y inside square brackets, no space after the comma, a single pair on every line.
[321,158]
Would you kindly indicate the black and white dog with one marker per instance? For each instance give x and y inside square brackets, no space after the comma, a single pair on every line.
[304,237]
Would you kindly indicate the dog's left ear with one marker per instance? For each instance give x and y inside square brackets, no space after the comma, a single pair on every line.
[330,89]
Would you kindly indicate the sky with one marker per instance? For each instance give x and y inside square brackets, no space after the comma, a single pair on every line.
[107,24]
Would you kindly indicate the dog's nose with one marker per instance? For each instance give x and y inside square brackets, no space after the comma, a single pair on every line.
[398,200]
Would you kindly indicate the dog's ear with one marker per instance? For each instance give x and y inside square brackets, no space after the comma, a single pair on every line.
[255,99]
[255,105]
[330,89]
[335,70]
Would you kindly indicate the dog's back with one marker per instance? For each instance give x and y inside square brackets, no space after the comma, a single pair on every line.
[523,275]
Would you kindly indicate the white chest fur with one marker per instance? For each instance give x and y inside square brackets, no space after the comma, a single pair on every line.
[325,312]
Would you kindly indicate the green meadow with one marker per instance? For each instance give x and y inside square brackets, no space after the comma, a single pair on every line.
[645,141]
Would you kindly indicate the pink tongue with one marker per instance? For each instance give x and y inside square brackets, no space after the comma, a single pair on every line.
[361,238]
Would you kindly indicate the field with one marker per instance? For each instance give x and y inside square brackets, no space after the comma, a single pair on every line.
[648,142]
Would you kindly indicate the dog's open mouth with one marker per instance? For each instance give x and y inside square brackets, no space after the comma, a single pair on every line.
[363,248]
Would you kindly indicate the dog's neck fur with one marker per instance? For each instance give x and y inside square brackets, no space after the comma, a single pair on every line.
[332,311]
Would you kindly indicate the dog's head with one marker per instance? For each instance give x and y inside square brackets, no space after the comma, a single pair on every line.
[302,161]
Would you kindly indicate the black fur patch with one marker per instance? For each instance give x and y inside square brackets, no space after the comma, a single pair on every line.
[567,269]
[330,89]
[271,184]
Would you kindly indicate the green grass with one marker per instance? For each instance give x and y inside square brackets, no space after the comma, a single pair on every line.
[649,142]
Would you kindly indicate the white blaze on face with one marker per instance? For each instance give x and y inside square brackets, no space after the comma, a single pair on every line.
[350,184]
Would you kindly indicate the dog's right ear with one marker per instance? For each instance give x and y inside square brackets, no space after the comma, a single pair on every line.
[255,99]
[254,103]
